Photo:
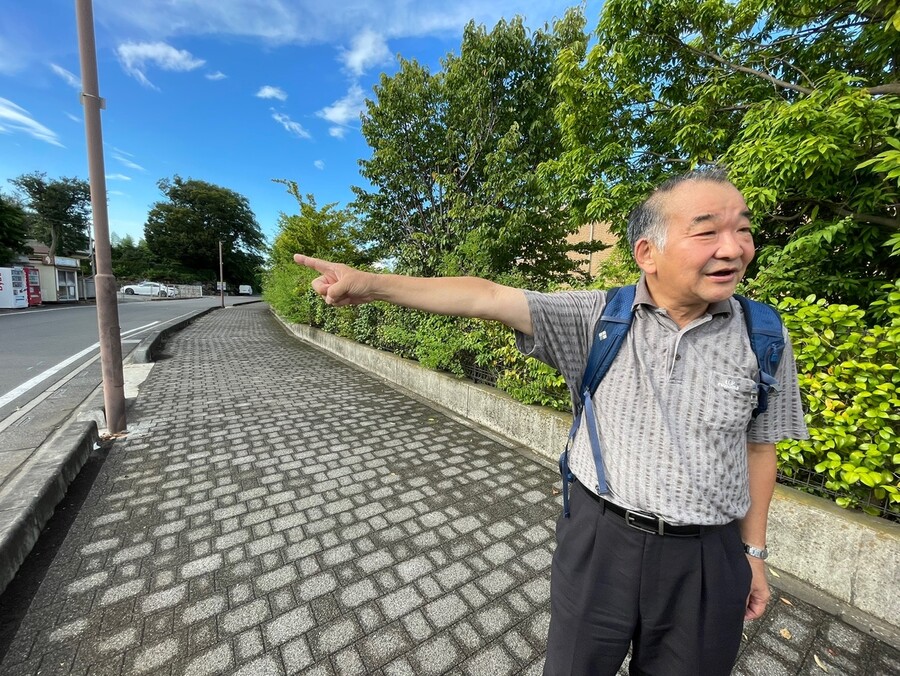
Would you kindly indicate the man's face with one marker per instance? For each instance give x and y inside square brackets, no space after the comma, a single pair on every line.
[708,247]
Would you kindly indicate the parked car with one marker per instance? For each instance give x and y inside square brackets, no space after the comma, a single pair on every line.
[146,288]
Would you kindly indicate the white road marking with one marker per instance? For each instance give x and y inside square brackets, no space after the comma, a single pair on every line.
[17,392]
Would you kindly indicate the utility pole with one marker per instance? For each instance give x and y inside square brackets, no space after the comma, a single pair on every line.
[104,281]
[221,278]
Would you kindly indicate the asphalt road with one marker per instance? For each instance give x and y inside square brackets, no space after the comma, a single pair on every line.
[50,361]
[39,347]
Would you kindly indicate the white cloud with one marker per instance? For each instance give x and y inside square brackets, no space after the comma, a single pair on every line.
[70,78]
[344,111]
[136,57]
[215,77]
[294,128]
[319,164]
[125,159]
[74,118]
[314,21]
[15,119]
[368,49]
[117,177]
[269,92]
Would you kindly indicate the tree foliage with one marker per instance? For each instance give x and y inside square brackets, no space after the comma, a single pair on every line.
[58,211]
[131,260]
[798,97]
[13,230]
[455,157]
[325,232]
[184,231]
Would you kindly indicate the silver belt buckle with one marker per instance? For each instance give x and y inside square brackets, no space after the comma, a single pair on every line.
[633,519]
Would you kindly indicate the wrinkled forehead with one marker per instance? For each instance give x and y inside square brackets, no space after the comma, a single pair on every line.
[699,198]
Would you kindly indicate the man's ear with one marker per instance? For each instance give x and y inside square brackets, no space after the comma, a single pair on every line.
[644,255]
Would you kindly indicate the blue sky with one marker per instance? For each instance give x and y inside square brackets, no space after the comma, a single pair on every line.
[234,92]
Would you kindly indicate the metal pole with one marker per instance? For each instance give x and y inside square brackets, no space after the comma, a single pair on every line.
[104,281]
[221,279]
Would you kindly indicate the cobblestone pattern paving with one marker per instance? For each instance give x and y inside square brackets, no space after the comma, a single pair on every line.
[275,511]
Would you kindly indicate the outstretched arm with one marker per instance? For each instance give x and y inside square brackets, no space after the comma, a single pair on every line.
[340,285]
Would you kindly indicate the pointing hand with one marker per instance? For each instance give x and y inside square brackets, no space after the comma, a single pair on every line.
[337,283]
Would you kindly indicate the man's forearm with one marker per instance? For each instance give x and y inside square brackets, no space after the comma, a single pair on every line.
[761,464]
[457,296]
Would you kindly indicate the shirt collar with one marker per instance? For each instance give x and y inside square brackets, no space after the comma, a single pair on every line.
[642,297]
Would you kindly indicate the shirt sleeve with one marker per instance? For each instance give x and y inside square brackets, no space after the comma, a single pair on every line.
[563,324]
[784,418]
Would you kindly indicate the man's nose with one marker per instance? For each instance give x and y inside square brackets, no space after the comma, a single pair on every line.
[730,246]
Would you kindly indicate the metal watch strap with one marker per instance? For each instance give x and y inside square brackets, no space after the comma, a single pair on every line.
[756,551]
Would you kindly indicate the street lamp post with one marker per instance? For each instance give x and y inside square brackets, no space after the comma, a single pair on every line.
[104,281]
[221,278]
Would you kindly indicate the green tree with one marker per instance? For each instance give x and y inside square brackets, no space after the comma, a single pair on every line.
[455,156]
[184,230]
[13,230]
[797,97]
[405,214]
[59,211]
[130,260]
[325,232]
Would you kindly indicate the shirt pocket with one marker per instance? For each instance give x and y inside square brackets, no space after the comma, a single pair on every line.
[730,401]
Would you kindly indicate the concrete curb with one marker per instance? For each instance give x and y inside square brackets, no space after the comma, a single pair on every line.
[28,501]
[148,348]
[847,562]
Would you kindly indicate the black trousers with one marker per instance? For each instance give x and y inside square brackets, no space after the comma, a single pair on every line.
[677,601]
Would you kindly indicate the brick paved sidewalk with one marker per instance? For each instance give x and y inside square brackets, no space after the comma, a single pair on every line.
[274,511]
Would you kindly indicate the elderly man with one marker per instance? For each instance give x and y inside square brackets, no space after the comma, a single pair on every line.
[680,445]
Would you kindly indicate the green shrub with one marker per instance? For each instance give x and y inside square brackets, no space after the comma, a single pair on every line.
[849,379]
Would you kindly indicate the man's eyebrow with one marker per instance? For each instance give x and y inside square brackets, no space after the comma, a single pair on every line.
[702,218]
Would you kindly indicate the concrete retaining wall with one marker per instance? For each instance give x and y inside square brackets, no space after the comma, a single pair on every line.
[851,557]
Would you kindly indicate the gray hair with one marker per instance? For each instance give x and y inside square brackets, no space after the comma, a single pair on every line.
[647,220]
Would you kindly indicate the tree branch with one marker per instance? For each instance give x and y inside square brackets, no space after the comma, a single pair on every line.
[670,160]
[889,88]
[744,69]
[865,218]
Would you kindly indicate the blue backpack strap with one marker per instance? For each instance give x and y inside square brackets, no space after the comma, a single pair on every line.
[767,341]
[609,334]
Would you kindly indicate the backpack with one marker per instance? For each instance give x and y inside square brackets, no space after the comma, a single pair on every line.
[766,340]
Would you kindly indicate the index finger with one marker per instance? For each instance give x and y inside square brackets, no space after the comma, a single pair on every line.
[316,264]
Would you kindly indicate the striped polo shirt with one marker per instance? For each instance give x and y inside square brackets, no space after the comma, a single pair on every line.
[674,410]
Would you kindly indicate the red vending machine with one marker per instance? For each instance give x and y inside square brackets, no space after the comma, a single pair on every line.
[33,282]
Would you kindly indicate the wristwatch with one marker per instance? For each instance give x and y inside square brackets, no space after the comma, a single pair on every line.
[756,551]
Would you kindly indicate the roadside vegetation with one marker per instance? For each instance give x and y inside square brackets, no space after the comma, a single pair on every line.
[485,166]
[181,235]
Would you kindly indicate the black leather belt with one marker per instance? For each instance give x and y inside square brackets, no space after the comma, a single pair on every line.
[647,523]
